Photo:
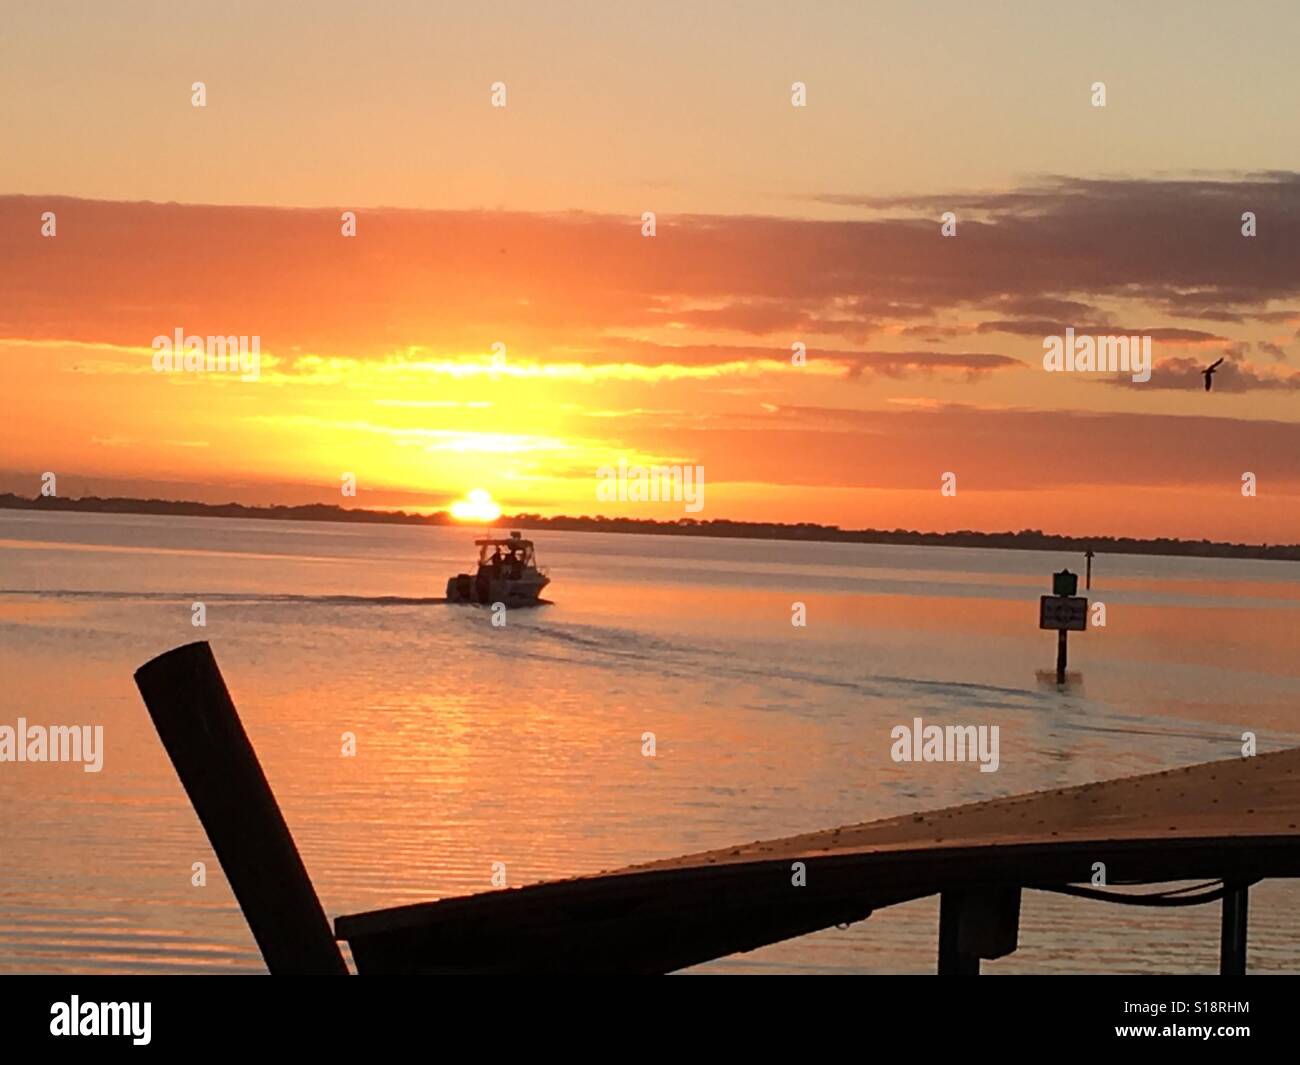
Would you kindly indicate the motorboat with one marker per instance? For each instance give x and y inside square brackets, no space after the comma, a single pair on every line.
[507,573]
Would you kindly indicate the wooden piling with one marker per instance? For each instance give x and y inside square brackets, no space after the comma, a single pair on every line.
[201,731]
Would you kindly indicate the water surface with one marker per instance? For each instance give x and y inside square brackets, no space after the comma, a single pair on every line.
[523,744]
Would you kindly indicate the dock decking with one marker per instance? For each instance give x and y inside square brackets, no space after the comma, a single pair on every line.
[1236,820]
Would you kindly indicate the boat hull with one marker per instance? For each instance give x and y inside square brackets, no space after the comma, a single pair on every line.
[513,591]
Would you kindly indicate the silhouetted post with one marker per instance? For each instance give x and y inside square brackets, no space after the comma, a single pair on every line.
[201,731]
[1232,931]
[975,923]
[953,961]
[1060,656]
[1087,581]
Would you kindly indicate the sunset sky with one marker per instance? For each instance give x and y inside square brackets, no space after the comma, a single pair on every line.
[522,226]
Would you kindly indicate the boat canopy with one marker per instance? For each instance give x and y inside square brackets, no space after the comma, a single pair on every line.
[512,546]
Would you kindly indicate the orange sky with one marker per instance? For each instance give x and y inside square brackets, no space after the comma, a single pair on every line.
[521,227]
[924,357]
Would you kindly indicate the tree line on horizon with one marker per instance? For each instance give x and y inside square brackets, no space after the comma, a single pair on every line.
[1025,539]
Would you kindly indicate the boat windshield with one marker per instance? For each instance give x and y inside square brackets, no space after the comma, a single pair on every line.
[519,552]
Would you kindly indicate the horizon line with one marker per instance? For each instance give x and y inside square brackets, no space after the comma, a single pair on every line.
[679,526]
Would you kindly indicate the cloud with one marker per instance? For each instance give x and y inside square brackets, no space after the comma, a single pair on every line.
[1056,329]
[454,282]
[909,363]
[1047,307]
[993,449]
[1175,242]
[935,333]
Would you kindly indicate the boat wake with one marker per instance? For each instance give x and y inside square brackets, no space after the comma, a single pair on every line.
[233,597]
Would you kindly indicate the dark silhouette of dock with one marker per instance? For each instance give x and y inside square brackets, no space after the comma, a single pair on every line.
[1232,823]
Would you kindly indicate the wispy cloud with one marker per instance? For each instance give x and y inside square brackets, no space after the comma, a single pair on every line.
[454,282]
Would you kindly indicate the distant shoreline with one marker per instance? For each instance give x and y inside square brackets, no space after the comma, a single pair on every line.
[1025,540]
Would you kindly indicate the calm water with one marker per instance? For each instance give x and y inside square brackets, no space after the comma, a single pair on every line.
[522,744]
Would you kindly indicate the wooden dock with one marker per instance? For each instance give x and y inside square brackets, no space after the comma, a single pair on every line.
[1232,822]
[1237,821]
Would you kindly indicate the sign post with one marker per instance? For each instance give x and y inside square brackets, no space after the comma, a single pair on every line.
[1063,611]
[1088,580]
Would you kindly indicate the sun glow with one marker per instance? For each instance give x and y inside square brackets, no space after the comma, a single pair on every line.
[476,506]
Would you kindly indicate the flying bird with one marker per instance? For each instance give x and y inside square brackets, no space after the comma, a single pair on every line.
[1209,374]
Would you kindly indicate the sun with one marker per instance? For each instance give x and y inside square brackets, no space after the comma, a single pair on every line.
[476,506]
